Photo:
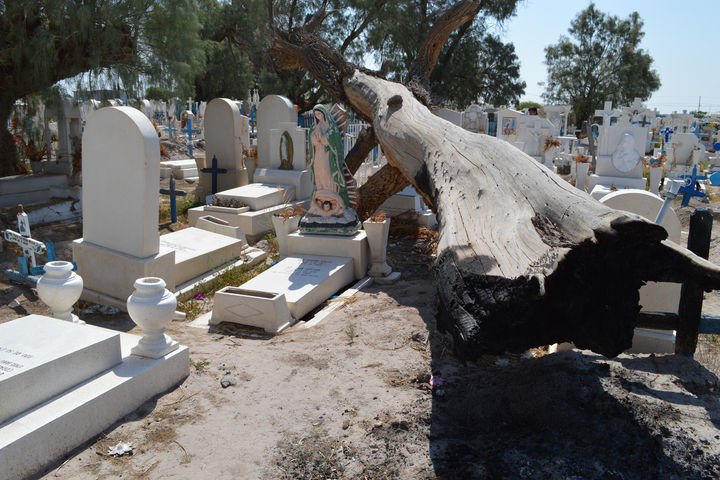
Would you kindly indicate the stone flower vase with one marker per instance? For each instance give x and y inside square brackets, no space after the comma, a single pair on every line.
[59,288]
[152,306]
[377,235]
[582,173]
[655,177]
[550,154]
[284,226]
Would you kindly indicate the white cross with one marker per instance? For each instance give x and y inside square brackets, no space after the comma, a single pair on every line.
[607,113]
[29,246]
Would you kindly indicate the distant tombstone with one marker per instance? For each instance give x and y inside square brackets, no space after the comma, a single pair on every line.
[451,116]
[620,148]
[275,116]
[226,135]
[474,119]
[681,152]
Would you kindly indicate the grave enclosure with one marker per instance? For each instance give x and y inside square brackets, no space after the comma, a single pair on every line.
[120,240]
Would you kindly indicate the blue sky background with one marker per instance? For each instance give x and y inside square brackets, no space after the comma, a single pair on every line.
[681,36]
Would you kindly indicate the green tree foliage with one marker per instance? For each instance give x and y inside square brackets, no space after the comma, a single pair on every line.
[601,60]
[474,65]
[126,42]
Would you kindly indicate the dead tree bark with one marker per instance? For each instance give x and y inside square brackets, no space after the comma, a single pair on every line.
[524,259]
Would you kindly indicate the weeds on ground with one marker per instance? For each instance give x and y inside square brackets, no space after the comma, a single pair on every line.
[199,365]
[183,205]
[232,276]
[351,333]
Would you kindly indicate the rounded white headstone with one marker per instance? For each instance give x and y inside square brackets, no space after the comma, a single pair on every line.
[121,175]
[645,204]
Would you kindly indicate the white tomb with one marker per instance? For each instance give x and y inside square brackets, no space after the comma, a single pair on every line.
[302,281]
[620,150]
[272,111]
[198,251]
[475,119]
[281,143]
[227,136]
[179,169]
[63,383]
[526,132]
[259,195]
[683,153]
[121,241]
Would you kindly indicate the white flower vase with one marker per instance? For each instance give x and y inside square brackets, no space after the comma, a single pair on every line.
[377,235]
[284,227]
[550,154]
[59,288]
[655,177]
[152,306]
[582,171]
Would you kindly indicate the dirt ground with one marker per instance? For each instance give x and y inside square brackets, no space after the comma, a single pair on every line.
[352,398]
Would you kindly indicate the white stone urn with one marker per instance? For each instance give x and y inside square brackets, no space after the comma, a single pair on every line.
[581,174]
[284,226]
[655,177]
[550,154]
[59,288]
[377,235]
[152,306]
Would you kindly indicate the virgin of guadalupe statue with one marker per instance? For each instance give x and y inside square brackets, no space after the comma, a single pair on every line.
[334,196]
[626,157]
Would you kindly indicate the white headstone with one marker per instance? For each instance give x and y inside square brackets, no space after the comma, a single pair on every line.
[272,110]
[227,133]
[121,174]
[224,137]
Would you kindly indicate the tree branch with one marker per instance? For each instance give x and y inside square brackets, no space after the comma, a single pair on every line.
[382,185]
[419,72]
[364,144]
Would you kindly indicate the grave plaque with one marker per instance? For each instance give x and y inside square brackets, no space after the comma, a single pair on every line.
[41,357]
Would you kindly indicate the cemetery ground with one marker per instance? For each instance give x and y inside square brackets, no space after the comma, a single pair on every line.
[374,391]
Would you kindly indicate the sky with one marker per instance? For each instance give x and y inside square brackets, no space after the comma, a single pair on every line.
[680,36]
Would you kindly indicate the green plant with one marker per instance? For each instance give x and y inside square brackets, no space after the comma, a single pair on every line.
[271,238]
[183,205]
[199,365]
[351,333]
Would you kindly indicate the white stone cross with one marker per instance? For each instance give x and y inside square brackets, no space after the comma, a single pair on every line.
[607,113]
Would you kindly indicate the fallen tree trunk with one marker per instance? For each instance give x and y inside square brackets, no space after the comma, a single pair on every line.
[524,259]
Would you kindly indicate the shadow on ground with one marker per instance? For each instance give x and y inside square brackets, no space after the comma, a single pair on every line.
[567,415]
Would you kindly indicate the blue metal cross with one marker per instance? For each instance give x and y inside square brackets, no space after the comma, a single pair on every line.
[214,170]
[170,129]
[688,188]
[667,132]
[173,193]
[189,130]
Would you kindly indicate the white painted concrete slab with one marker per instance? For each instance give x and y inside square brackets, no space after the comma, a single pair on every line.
[305,280]
[198,251]
[41,357]
[45,433]
[259,195]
